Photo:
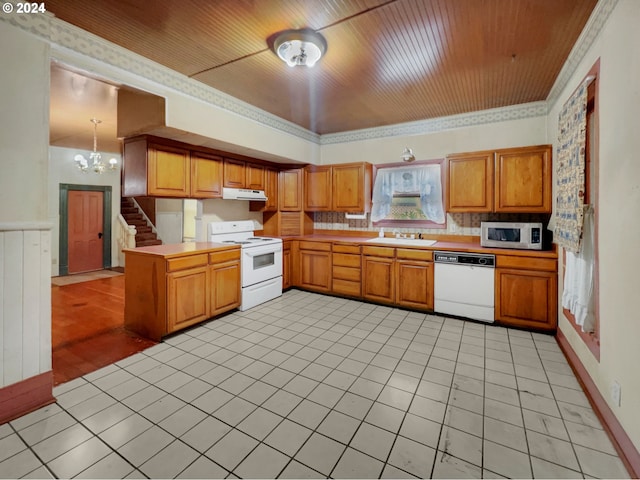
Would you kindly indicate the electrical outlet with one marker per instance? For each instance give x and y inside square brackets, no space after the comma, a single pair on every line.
[615,393]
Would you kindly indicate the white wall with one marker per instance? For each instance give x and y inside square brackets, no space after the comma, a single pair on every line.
[62,169]
[619,211]
[429,146]
[25,292]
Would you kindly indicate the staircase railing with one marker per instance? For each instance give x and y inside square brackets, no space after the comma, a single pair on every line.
[144,215]
[126,237]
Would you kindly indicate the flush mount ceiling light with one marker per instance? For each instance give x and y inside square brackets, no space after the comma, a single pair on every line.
[299,47]
[95,162]
[407,155]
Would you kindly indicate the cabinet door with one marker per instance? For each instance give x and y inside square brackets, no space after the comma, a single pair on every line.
[255,177]
[290,190]
[206,175]
[470,182]
[315,270]
[526,298]
[234,173]
[169,172]
[187,299]
[414,284]
[271,191]
[349,188]
[379,279]
[317,189]
[523,180]
[286,265]
[225,287]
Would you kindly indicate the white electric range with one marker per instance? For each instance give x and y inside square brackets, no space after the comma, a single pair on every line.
[260,261]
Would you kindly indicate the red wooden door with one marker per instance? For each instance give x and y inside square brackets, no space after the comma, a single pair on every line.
[85,235]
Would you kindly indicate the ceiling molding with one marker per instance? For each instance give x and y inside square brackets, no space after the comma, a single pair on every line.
[589,34]
[502,114]
[69,43]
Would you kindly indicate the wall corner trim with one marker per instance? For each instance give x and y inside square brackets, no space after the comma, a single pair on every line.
[621,441]
[26,396]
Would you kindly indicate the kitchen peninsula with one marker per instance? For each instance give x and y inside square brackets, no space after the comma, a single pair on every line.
[171,287]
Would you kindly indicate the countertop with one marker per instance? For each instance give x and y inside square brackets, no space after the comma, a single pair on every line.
[174,250]
[463,246]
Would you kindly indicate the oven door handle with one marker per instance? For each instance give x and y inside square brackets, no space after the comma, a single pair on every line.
[255,252]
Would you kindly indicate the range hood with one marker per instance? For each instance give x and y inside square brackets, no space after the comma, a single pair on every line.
[243,194]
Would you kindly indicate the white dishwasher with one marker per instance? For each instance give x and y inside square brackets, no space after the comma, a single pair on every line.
[464,285]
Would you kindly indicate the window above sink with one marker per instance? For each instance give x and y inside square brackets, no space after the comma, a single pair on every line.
[409,195]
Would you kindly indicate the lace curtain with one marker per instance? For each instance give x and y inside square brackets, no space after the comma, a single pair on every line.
[421,180]
[577,295]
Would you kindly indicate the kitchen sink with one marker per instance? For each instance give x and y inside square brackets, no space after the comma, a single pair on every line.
[413,242]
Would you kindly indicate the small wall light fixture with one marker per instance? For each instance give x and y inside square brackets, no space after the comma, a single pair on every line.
[407,155]
[299,47]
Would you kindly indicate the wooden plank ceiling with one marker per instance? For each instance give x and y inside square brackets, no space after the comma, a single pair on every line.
[387,62]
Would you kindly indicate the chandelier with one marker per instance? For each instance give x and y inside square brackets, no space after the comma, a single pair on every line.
[299,47]
[95,162]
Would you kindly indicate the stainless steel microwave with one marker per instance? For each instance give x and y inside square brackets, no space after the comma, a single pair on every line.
[526,236]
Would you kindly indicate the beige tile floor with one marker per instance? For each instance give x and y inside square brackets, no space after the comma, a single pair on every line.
[311,386]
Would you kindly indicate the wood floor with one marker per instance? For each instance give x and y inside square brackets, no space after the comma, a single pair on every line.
[87,330]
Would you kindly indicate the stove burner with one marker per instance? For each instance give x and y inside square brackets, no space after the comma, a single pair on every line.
[260,239]
[235,242]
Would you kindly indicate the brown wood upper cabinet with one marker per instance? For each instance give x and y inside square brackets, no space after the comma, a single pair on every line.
[290,190]
[507,180]
[270,190]
[168,172]
[206,175]
[241,174]
[338,188]
[155,169]
[317,188]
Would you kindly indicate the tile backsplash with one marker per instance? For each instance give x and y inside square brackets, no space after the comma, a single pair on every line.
[457,223]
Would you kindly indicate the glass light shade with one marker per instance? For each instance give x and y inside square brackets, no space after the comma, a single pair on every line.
[297,52]
[300,47]
[407,155]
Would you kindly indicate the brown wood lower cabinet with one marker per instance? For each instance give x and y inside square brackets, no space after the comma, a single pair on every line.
[286,264]
[414,278]
[347,270]
[378,274]
[526,292]
[314,266]
[224,285]
[164,294]
[187,299]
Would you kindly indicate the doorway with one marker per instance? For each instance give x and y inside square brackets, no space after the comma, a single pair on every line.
[85,228]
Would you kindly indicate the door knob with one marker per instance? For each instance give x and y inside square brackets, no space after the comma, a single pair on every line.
[99,234]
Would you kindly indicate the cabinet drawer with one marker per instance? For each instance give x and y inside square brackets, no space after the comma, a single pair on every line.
[346,248]
[414,254]
[378,251]
[317,246]
[529,263]
[346,287]
[224,256]
[346,260]
[182,263]
[346,273]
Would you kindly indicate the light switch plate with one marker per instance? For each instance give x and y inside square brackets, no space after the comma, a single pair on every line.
[615,393]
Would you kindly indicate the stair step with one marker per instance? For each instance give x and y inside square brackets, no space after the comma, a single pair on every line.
[126,210]
[146,236]
[147,243]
